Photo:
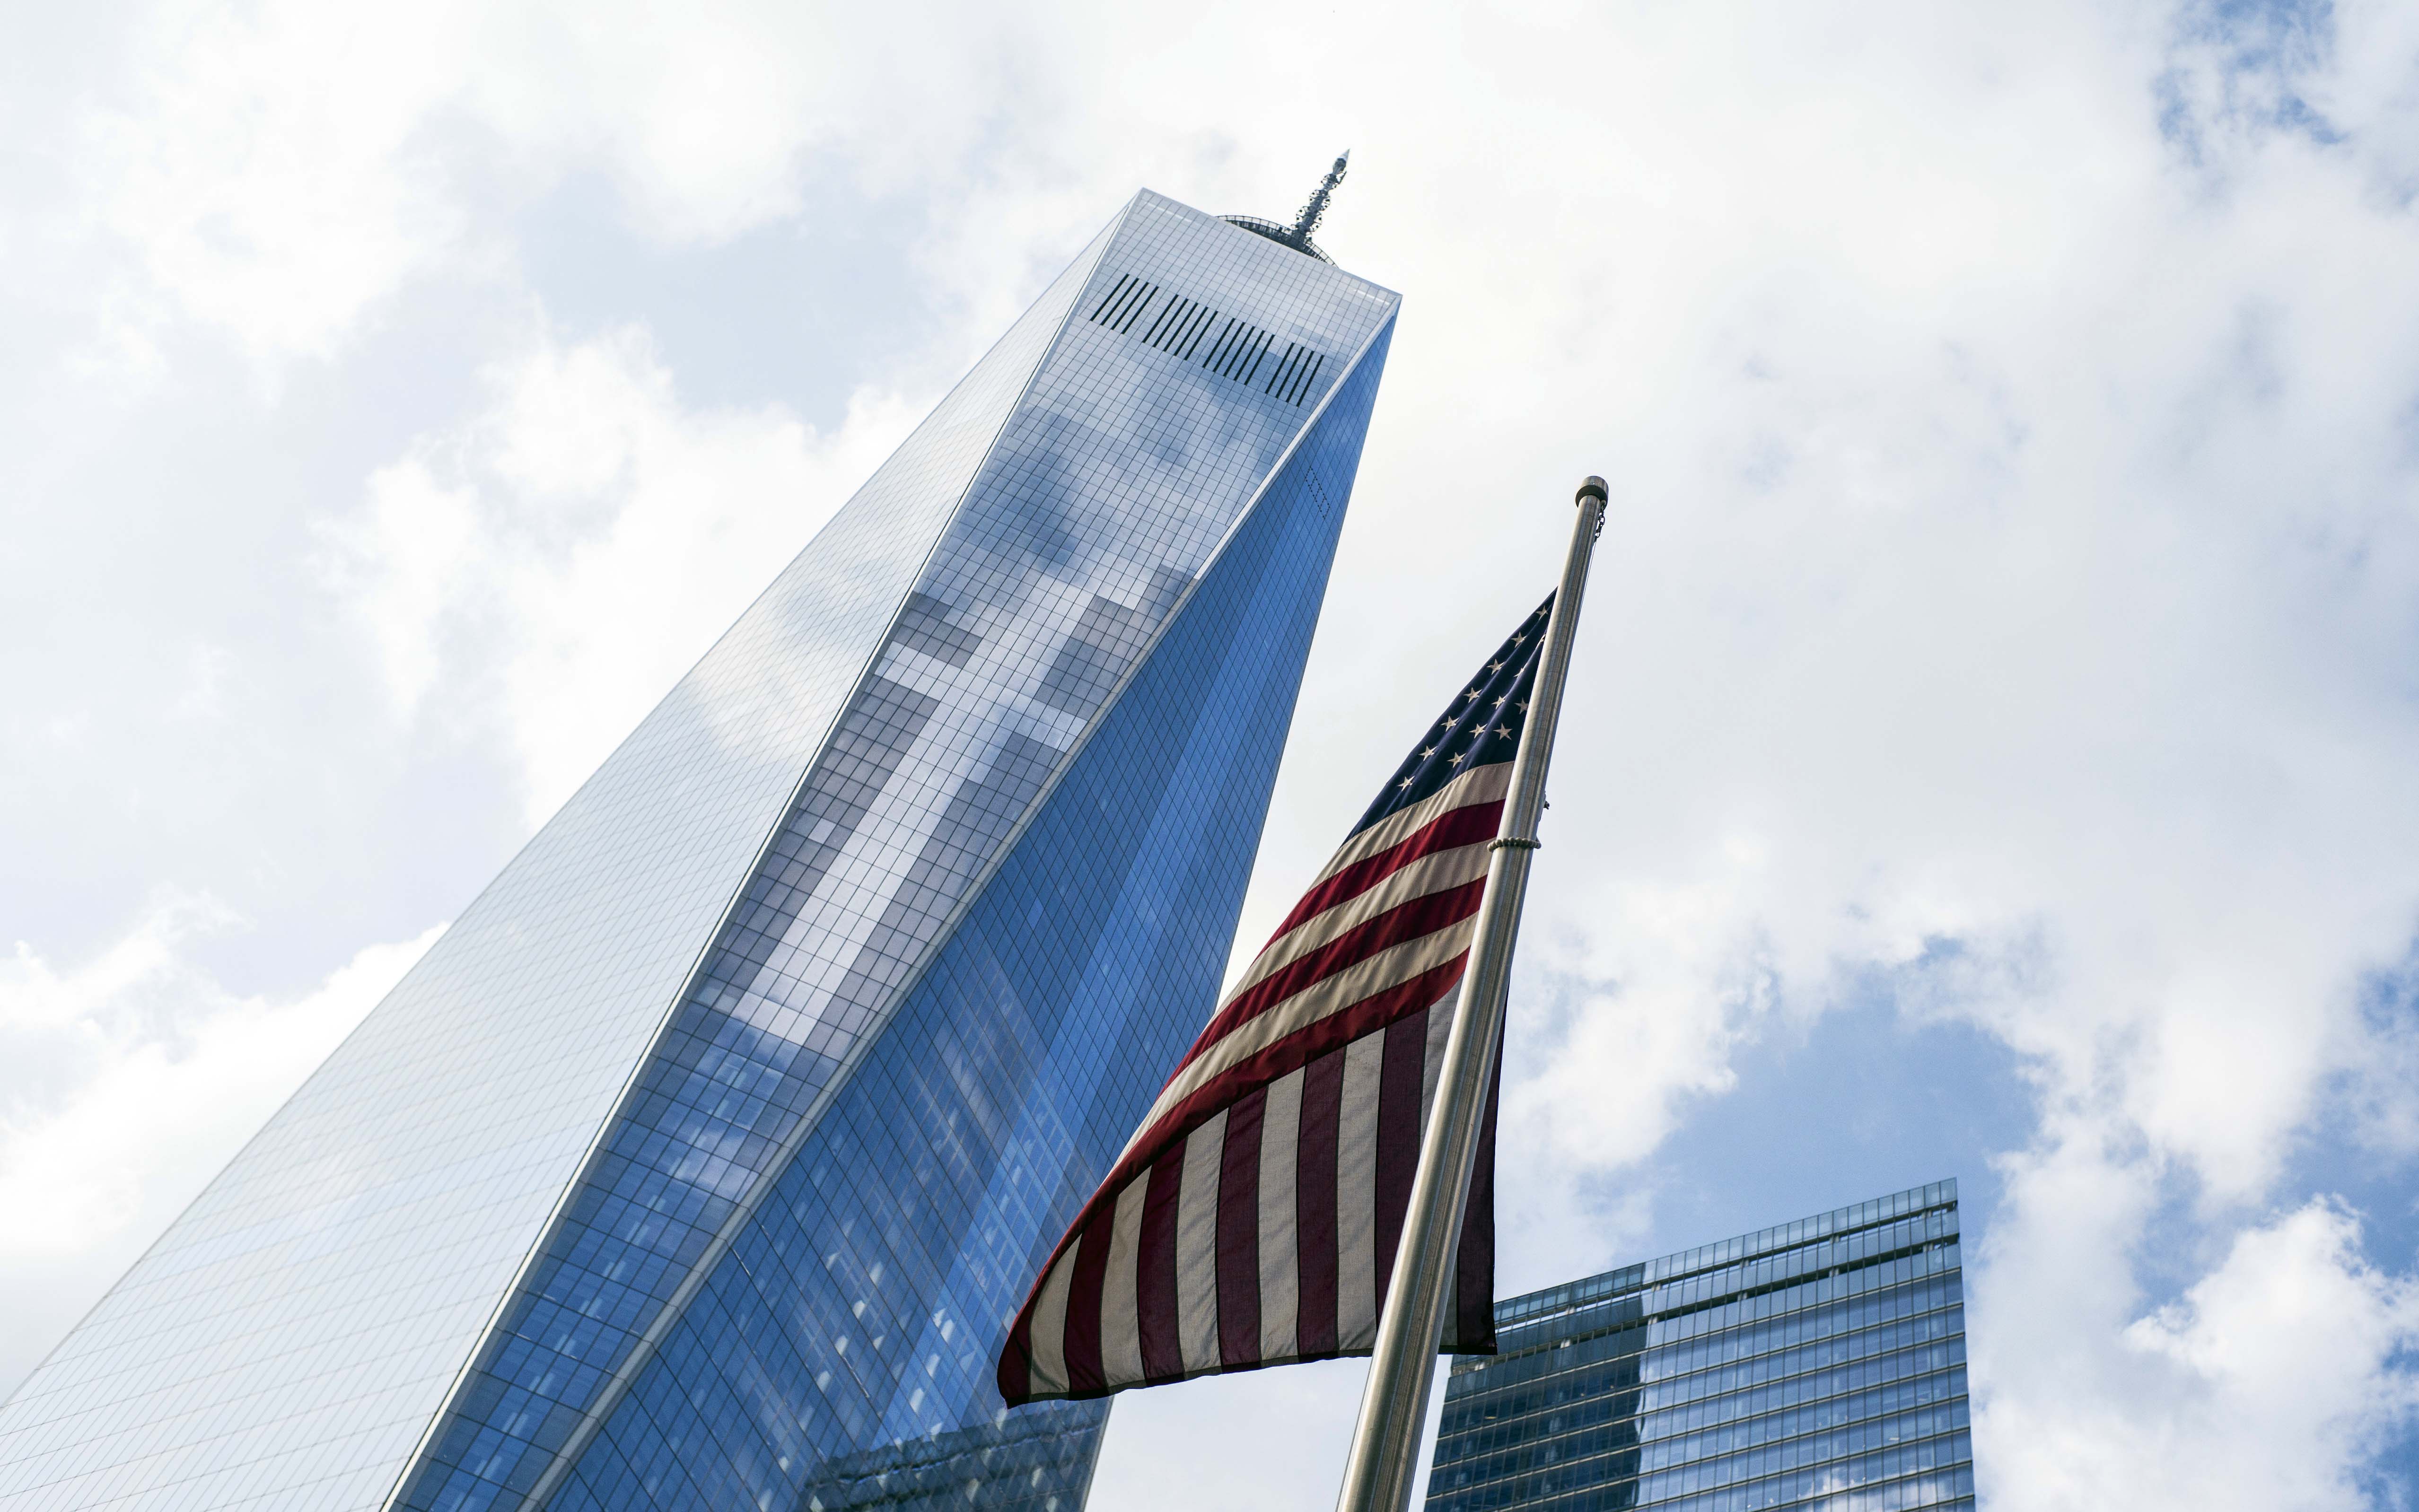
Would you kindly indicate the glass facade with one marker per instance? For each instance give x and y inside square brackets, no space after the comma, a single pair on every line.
[701,1162]
[1821,1363]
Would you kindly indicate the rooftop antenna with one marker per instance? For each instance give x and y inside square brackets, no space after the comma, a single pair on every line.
[1297,236]
[1315,209]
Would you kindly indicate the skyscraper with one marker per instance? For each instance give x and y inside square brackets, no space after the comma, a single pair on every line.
[1819,1363]
[702,1162]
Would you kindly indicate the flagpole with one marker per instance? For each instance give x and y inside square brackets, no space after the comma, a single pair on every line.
[1402,1368]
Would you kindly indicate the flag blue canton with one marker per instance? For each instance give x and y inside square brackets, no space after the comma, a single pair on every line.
[1481,726]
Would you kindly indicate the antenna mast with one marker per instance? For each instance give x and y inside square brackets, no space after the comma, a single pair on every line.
[1315,209]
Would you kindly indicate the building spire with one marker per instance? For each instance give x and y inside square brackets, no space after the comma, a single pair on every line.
[1297,236]
[1315,209]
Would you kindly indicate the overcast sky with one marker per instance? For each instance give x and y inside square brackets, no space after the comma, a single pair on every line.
[1994,739]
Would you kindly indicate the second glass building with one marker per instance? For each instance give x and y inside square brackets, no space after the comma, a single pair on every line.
[1818,1363]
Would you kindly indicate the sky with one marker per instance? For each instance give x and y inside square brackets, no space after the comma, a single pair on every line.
[1991,732]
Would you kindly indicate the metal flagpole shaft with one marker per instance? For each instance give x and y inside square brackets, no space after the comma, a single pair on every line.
[1395,1407]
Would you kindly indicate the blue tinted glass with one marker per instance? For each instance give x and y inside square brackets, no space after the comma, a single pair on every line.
[1115,482]
[851,1333]
[1824,1358]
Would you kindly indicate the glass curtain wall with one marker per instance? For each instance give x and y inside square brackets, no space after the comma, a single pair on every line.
[1203,401]
[842,1353]
[1818,1363]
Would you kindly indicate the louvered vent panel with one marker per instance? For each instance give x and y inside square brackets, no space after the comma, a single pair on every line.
[1125,303]
[1228,345]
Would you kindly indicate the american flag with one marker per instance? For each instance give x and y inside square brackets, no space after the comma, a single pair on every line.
[1252,1220]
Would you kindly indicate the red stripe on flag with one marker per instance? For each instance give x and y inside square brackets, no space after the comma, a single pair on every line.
[1471,1329]
[1083,1372]
[1415,919]
[1014,1376]
[1398,1134]
[1239,1233]
[1162,1350]
[1450,831]
[1322,1104]
[1290,1053]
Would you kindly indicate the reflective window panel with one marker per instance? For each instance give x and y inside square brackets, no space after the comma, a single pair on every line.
[1821,1363]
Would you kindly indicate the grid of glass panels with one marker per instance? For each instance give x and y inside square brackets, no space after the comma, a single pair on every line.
[1819,1363]
[842,1353]
[1114,482]
[287,1342]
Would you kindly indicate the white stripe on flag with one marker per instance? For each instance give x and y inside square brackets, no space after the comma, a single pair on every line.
[1331,994]
[1280,1268]
[1440,873]
[1197,1245]
[1432,1065]
[1049,1324]
[1483,785]
[1356,1193]
[1121,1314]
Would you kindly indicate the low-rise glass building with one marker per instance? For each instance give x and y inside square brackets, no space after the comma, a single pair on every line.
[1820,1363]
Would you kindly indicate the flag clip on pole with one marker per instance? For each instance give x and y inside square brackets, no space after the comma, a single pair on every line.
[1394,1408]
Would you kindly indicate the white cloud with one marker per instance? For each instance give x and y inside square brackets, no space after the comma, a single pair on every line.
[2288,1360]
[276,173]
[125,1082]
[566,555]
[2270,1383]
[268,173]
[1653,1011]
[2008,598]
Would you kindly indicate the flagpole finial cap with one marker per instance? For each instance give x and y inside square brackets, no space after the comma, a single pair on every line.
[1591,489]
